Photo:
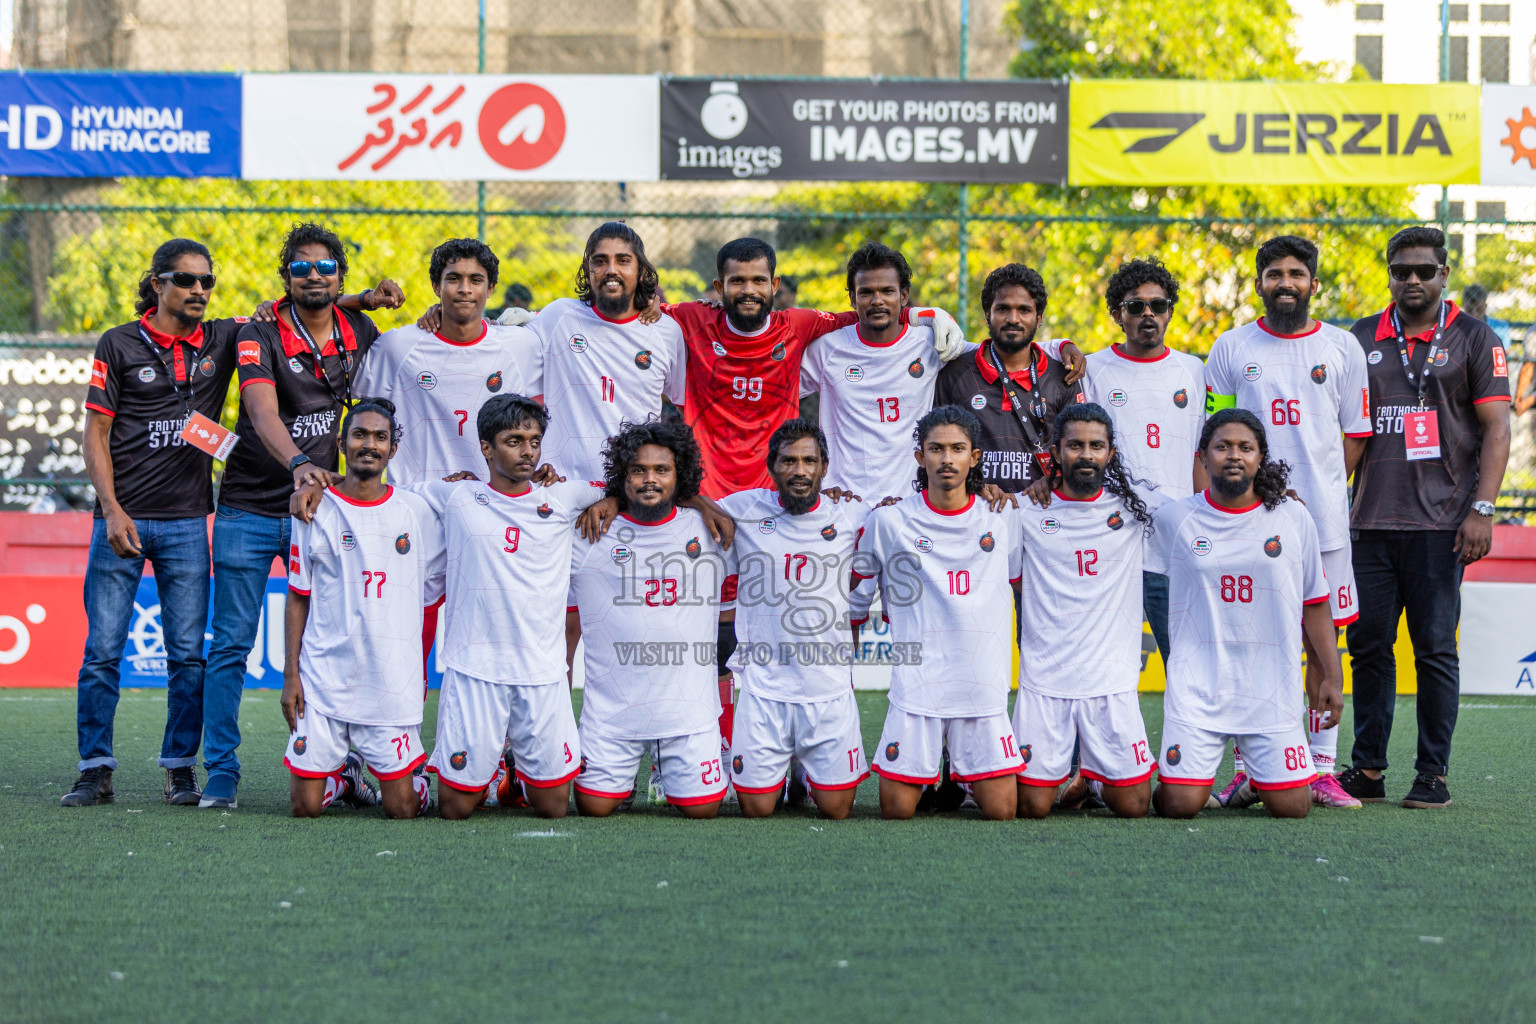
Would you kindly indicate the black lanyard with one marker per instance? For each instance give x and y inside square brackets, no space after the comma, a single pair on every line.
[1031,413]
[170,369]
[345,398]
[1422,379]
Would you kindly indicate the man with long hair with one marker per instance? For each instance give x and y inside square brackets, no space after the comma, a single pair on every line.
[1082,563]
[1246,580]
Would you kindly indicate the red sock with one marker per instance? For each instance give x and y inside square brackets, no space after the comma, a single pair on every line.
[727,708]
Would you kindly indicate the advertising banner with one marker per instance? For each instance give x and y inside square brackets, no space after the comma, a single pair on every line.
[82,125]
[42,393]
[863,130]
[401,127]
[1255,133]
[1509,135]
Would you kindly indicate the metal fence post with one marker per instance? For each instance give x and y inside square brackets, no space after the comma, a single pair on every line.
[962,277]
[1445,76]
[480,185]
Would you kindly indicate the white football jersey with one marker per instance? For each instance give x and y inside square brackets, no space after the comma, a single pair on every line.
[791,578]
[1305,389]
[1158,406]
[649,600]
[945,582]
[1237,582]
[438,387]
[872,395]
[508,565]
[368,570]
[1080,597]
[599,373]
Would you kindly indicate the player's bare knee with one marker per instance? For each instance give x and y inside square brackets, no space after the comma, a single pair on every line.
[454,810]
[1171,802]
[1128,801]
[701,811]
[757,805]
[1288,803]
[595,807]
[835,805]
[1034,801]
[550,803]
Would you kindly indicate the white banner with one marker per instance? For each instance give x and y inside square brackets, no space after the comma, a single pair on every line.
[1509,135]
[1498,645]
[400,127]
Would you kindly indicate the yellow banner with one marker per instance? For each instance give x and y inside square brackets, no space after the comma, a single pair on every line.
[1254,133]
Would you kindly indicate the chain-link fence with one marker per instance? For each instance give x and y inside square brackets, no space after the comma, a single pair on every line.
[71,250]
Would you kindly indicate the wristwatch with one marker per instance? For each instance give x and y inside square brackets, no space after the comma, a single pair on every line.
[1483,508]
[299,460]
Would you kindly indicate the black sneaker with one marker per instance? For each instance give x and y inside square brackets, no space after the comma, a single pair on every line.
[1428,791]
[1361,786]
[181,786]
[94,786]
[360,792]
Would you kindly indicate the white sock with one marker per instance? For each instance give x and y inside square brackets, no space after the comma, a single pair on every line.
[423,791]
[1237,758]
[1096,788]
[335,789]
[1323,743]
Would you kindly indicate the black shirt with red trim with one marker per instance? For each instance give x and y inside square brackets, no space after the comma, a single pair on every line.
[155,474]
[971,381]
[1392,493]
[272,355]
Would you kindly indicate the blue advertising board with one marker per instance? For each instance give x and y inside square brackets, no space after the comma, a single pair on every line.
[105,125]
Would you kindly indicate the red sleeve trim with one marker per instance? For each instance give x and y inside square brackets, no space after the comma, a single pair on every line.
[101,409]
[402,773]
[1271,787]
[1491,398]
[1316,600]
[257,380]
[548,783]
[911,780]
[569,608]
[694,801]
[1138,780]
[1366,433]
[831,789]
[1341,623]
[584,791]
[1025,780]
[296,590]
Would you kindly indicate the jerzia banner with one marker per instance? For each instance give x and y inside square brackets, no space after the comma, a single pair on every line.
[859,130]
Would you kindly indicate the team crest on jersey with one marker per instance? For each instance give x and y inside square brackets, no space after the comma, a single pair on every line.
[736,764]
[544,511]
[892,751]
[854,374]
[578,344]
[493,382]
[458,760]
[1118,397]
[719,349]
[986,542]
[1050,524]
[1272,546]
[1320,373]
[1253,371]
[300,744]
[829,532]
[1201,546]
[643,359]
[978,402]
[1374,357]
[481,498]
[915,368]
[348,542]
[403,543]
[1172,755]
[778,352]
[923,544]
[1181,398]
[622,554]
[693,549]
[147,374]
[1115,520]
[767,526]
[1026,752]
[206,365]
[1441,357]
[295,365]
[426,380]
[582,769]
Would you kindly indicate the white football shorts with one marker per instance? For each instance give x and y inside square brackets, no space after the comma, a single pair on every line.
[1113,737]
[1279,760]
[691,770]
[825,737]
[979,748]
[475,717]
[318,747]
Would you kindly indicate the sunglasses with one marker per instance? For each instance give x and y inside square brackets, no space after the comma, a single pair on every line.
[1136,307]
[301,268]
[186,279]
[1422,271]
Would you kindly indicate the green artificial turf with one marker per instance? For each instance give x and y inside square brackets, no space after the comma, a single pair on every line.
[142,912]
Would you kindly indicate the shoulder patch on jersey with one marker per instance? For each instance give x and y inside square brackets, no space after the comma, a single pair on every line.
[1253,371]
[915,368]
[854,373]
[1320,373]
[1172,755]
[248,352]
[493,382]
[403,543]
[578,344]
[1118,397]
[767,525]
[986,542]
[1115,520]
[978,402]
[544,511]
[1201,546]
[206,365]
[923,544]
[778,352]
[1374,357]
[829,532]
[1272,546]
[892,750]
[1050,524]
[1181,398]
[348,542]
[621,554]
[693,549]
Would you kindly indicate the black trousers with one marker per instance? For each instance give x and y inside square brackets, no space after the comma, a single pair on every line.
[1413,571]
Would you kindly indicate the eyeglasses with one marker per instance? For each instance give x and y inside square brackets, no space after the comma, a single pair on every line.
[1422,271]
[301,268]
[1136,307]
[186,279]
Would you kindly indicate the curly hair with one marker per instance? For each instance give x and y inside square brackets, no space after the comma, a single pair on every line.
[163,262]
[1135,273]
[312,234]
[1271,480]
[952,415]
[676,436]
[873,255]
[1010,274]
[383,406]
[1116,480]
[791,431]
[645,284]
[456,249]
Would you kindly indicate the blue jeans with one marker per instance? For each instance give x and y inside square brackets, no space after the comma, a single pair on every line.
[244,544]
[178,550]
[1154,605]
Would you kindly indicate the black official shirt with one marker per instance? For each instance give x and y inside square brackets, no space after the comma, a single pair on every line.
[1392,493]
[309,403]
[156,474]
[971,381]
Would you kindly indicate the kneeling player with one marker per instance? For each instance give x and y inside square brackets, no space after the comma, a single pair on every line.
[944,563]
[1080,638]
[1245,579]
[647,602]
[791,559]
[359,575]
